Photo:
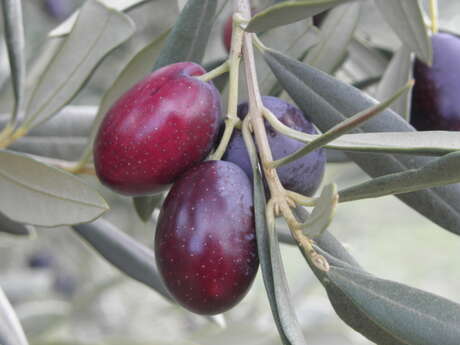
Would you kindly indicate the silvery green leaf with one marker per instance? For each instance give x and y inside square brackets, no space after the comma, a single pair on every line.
[335,35]
[120,5]
[14,228]
[289,12]
[363,57]
[52,197]
[11,332]
[72,121]
[410,315]
[293,40]
[67,148]
[97,31]
[126,254]
[189,36]
[398,73]
[14,35]
[442,171]
[328,101]
[322,213]
[434,143]
[271,263]
[145,205]
[406,19]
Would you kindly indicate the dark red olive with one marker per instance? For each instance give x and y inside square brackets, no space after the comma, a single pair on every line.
[205,242]
[303,175]
[157,130]
[435,97]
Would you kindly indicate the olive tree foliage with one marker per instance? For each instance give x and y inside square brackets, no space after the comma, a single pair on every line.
[46,144]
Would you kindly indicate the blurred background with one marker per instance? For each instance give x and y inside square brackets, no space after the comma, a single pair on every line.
[65,293]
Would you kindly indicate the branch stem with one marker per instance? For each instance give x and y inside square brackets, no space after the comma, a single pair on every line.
[232,120]
[280,200]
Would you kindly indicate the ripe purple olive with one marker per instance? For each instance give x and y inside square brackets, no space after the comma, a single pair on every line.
[157,130]
[205,242]
[435,104]
[303,175]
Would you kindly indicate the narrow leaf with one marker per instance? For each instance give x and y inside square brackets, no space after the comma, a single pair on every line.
[120,5]
[322,213]
[294,40]
[37,194]
[420,143]
[270,260]
[289,12]
[398,73]
[13,228]
[406,19]
[15,42]
[444,170]
[328,101]
[97,31]
[344,126]
[335,35]
[123,252]
[369,61]
[145,205]
[411,315]
[189,37]
[11,332]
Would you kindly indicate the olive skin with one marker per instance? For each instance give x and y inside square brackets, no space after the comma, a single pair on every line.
[303,175]
[157,130]
[205,241]
[435,97]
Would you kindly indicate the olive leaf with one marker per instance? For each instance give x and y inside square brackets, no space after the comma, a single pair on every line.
[98,30]
[126,254]
[38,194]
[11,332]
[59,147]
[145,205]
[14,228]
[289,12]
[411,315]
[335,35]
[270,260]
[189,37]
[328,101]
[386,312]
[398,73]
[441,171]
[15,42]
[121,5]
[322,213]
[294,40]
[406,19]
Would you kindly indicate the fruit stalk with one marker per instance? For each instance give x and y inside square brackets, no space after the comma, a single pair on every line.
[280,202]
[232,119]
